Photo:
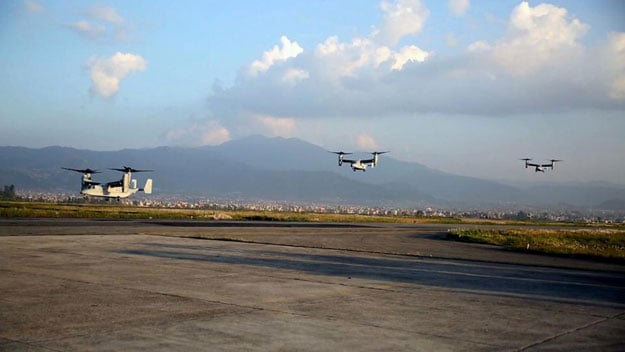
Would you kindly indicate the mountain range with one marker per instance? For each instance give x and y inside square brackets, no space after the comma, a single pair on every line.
[262,168]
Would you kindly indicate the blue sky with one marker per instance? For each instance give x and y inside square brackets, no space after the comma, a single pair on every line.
[463,86]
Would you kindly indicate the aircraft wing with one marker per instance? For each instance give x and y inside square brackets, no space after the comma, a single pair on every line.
[367,161]
[534,165]
[115,184]
[349,161]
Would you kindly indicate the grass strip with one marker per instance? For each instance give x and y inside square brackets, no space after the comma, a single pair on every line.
[17,209]
[25,209]
[599,244]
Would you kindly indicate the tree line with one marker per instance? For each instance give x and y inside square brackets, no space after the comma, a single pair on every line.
[8,193]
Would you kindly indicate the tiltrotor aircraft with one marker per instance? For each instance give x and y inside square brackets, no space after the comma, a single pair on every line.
[116,189]
[359,164]
[540,167]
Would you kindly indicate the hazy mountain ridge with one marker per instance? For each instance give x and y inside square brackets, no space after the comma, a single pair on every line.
[193,171]
[284,169]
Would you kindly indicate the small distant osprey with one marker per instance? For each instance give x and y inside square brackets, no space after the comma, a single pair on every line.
[540,167]
[359,164]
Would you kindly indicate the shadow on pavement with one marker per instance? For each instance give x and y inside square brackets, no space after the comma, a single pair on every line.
[537,283]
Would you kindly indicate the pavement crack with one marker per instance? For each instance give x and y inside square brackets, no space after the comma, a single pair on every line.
[571,331]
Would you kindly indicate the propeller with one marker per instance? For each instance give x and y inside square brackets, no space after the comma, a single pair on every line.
[82,171]
[526,160]
[341,155]
[129,169]
[379,153]
[555,160]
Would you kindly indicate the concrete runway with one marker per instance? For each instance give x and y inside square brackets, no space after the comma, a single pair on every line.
[227,286]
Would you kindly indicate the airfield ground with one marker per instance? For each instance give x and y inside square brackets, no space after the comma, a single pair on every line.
[84,284]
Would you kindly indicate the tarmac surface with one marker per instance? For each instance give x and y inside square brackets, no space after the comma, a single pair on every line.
[79,284]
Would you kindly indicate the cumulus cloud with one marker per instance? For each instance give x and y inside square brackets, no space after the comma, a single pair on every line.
[401,18]
[408,54]
[198,134]
[538,66]
[107,73]
[294,75]
[458,7]
[538,36]
[276,54]
[337,59]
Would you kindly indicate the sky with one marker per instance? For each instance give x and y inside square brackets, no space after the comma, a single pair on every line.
[467,87]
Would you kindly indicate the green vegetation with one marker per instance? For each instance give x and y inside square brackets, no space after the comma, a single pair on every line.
[14,209]
[113,210]
[605,243]
[8,193]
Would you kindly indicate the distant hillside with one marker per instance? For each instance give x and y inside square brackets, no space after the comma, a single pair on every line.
[194,171]
[282,169]
[612,204]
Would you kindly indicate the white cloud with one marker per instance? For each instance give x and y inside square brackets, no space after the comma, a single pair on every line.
[538,66]
[102,23]
[292,76]
[401,18]
[458,7]
[107,14]
[107,73]
[538,37]
[343,59]
[338,59]
[408,54]
[374,54]
[198,134]
[88,29]
[330,46]
[33,6]
[276,54]
[365,141]
[277,126]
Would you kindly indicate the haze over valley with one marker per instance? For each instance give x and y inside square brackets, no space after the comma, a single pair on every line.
[292,170]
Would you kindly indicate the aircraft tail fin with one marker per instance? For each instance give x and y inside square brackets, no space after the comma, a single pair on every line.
[147,189]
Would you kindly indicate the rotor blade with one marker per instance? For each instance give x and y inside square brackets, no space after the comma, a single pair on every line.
[340,153]
[129,169]
[388,151]
[82,171]
[555,160]
[526,159]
